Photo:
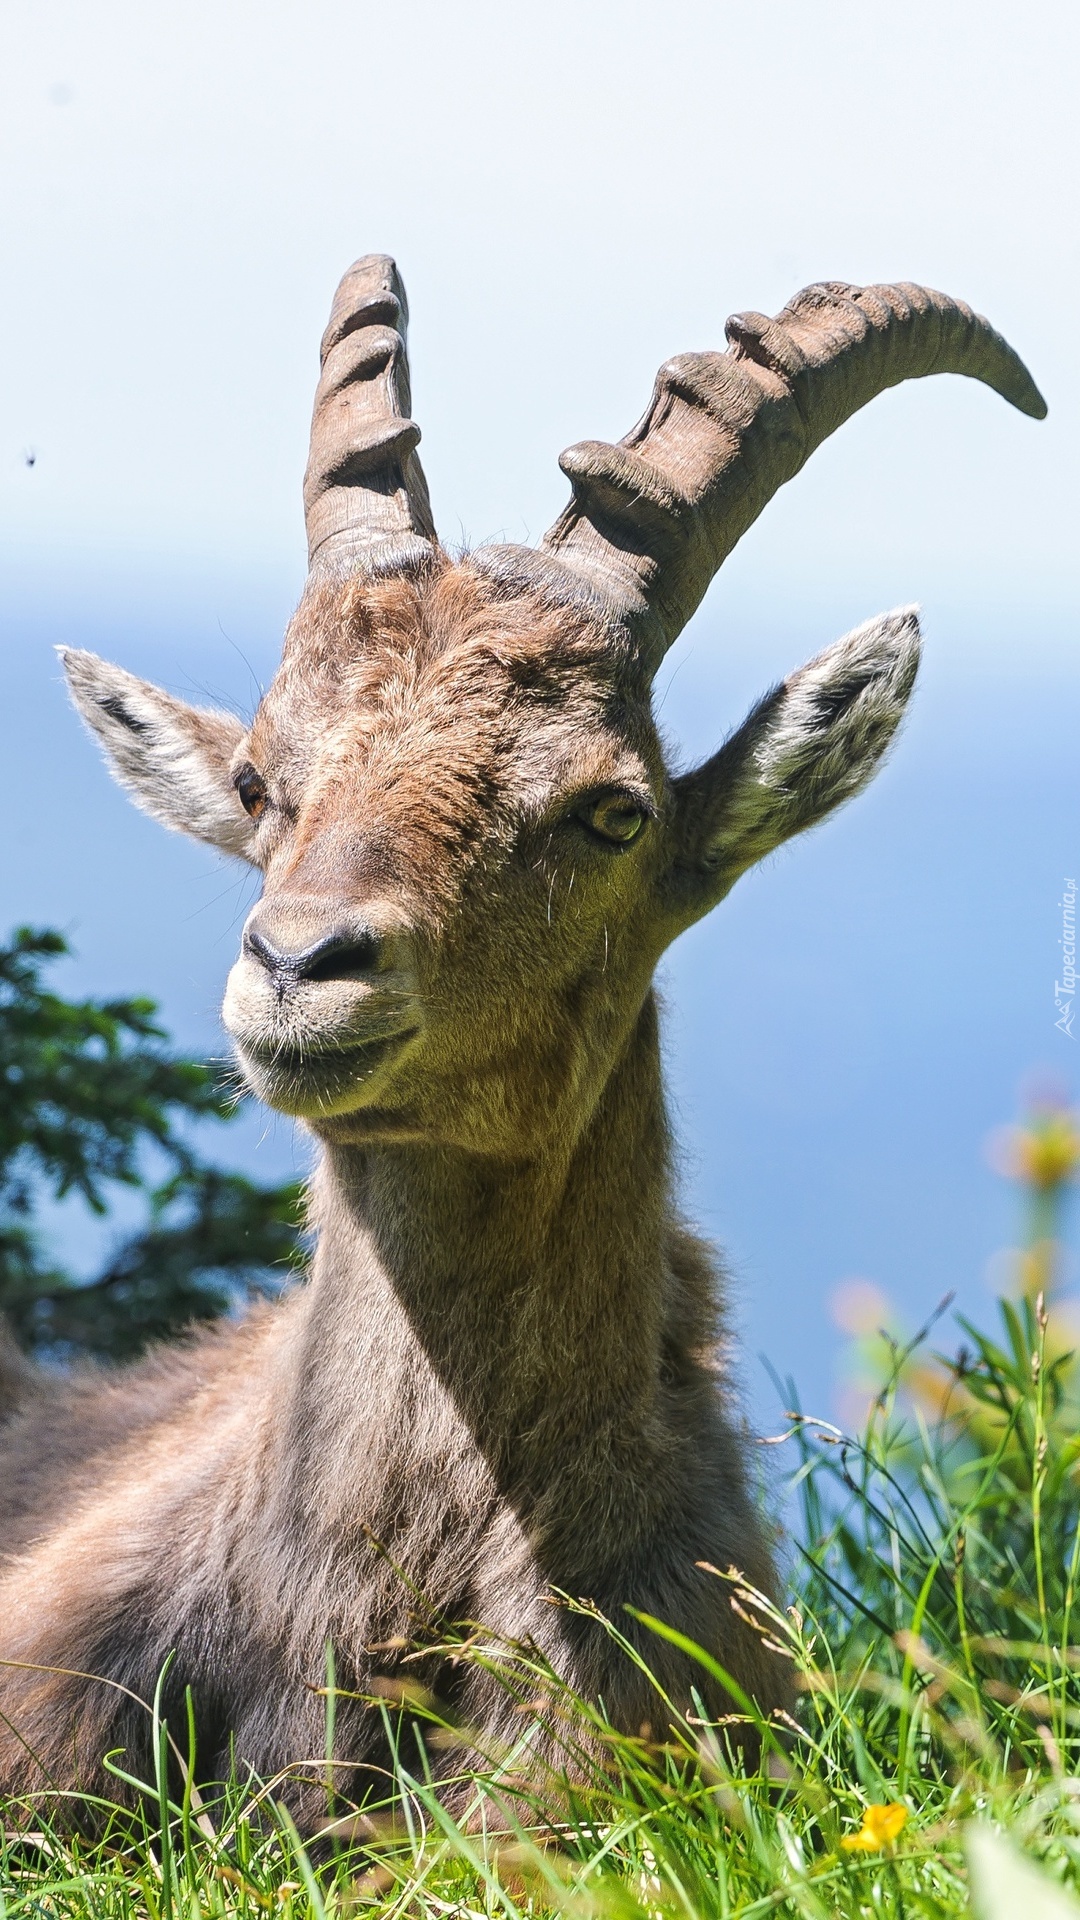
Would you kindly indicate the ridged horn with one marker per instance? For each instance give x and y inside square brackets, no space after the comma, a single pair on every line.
[365,497]
[653,518]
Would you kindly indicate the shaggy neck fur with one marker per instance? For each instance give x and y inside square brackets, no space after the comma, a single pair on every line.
[525,1311]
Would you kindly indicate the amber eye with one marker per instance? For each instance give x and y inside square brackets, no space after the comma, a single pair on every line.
[251,790]
[615,817]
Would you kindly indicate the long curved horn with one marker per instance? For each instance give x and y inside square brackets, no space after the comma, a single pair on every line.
[365,497]
[653,518]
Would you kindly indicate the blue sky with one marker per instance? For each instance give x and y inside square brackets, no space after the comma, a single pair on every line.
[575,192]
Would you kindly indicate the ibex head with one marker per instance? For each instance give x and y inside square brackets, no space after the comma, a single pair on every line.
[473,853]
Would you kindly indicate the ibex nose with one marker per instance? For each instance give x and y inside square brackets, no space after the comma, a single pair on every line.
[343,953]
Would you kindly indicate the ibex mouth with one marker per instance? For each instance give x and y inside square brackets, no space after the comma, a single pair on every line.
[318,1080]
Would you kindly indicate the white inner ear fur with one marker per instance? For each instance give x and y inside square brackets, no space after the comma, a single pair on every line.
[810,745]
[838,715]
[172,758]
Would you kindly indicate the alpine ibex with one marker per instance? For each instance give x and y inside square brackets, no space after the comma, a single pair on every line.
[500,1377]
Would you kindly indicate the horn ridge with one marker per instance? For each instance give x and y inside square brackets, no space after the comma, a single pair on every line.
[366,501]
[652,518]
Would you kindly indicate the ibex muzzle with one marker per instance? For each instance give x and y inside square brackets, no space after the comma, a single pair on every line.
[501,1376]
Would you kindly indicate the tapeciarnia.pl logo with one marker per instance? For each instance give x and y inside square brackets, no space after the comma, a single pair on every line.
[1065,988]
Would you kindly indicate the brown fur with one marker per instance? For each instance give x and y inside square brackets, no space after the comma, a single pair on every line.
[502,1374]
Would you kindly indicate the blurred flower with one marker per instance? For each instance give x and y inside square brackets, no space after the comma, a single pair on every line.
[866,1314]
[1044,1152]
[934,1388]
[1004,1273]
[860,1308]
[881,1826]
[980,1395]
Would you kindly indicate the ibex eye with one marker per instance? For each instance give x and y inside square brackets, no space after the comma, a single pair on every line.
[615,817]
[251,790]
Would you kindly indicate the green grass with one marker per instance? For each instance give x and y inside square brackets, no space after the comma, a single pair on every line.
[935,1634]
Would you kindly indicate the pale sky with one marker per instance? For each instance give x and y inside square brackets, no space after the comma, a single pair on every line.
[574,192]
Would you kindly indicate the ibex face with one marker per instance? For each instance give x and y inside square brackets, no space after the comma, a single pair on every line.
[464,828]
[473,852]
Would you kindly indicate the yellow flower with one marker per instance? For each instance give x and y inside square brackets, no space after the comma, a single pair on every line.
[880,1827]
[1045,1153]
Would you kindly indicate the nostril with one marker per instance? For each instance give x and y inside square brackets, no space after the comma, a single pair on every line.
[346,956]
[343,954]
[263,950]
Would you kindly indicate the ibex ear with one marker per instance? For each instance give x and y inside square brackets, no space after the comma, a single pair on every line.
[805,748]
[173,759]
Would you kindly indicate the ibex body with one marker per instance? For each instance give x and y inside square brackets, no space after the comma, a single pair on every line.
[501,1375]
